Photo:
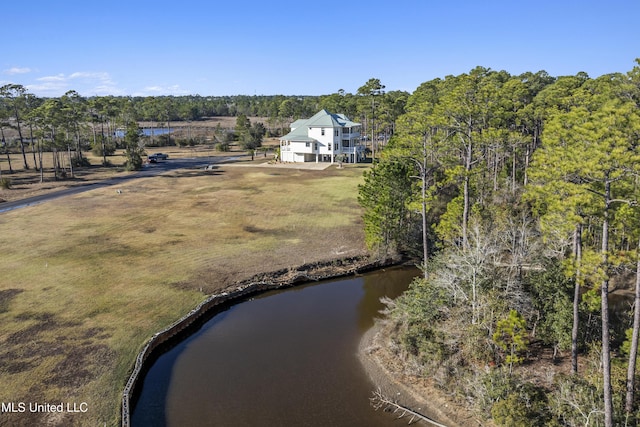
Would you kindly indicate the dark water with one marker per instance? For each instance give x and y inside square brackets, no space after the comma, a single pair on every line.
[286,358]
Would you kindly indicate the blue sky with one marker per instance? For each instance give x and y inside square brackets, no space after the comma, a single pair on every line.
[144,48]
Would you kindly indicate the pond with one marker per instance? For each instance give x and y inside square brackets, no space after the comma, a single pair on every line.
[120,133]
[285,358]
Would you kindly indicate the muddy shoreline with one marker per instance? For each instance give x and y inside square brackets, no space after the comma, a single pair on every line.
[388,377]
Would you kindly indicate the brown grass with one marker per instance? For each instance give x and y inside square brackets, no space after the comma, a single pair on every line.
[26,182]
[88,279]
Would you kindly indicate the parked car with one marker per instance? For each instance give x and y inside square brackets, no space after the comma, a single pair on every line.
[153,158]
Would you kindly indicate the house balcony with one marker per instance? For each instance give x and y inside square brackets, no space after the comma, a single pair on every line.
[352,142]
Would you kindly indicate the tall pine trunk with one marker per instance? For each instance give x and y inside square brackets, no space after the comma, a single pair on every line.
[423,178]
[78,148]
[606,351]
[54,157]
[24,153]
[70,161]
[6,149]
[33,147]
[40,155]
[9,160]
[576,299]
[104,154]
[466,192]
[633,353]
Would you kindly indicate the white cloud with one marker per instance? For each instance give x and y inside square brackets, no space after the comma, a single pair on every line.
[155,89]
[17,70]
[102,76]
[177,90]
[162,90]
[49,85]
[85,83]
[58,78]
[105,90]
[92,83]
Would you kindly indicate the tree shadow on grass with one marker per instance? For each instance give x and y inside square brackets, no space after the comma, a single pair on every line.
[193,173]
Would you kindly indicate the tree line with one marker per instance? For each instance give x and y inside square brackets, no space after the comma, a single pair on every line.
[519,194]
[68,125]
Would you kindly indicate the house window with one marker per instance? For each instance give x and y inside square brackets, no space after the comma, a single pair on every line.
[307,144]
[337,132]
[329,146]
[337,145]
[316,146]
[322,131]
[345,131]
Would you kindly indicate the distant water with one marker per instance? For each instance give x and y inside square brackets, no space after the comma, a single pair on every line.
[119,133]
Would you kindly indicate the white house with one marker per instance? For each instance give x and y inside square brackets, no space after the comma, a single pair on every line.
[322,138]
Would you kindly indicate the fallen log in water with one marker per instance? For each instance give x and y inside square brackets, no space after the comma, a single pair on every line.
[380,401]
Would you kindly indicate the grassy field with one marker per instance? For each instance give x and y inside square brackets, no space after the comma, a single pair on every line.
[26,183]
[87,279]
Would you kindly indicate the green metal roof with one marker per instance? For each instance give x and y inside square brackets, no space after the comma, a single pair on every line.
[298,134]
[298,123]
[322,118]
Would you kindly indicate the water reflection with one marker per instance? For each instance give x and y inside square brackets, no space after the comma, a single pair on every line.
[378,285]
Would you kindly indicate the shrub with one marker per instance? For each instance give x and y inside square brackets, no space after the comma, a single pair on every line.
[552,296]
[133,162]
[5,183]
[229,137]
[525,407]
[109,149]
[164,140]
[83,161]
[188,142]
[425,344]
[223,146]
[576,401]
[494,386]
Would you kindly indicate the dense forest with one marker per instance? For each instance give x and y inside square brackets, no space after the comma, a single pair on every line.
[519,196]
